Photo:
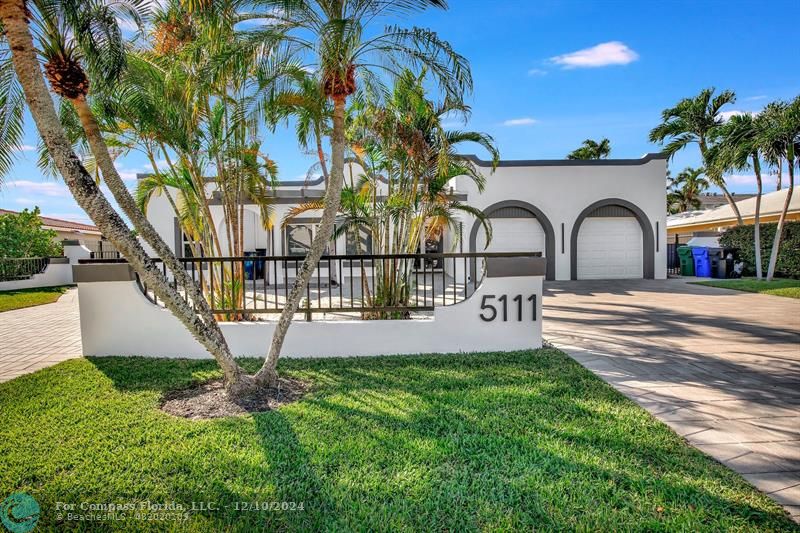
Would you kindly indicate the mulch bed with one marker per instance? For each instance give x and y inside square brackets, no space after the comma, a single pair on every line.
[210,400]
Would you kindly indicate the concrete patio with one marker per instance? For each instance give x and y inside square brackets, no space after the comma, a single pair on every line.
[720,367]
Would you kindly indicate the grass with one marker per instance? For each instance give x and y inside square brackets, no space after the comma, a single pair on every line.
[10,300]
[789,288]
[497,441]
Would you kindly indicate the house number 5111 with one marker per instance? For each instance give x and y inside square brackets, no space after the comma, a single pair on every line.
[489,311]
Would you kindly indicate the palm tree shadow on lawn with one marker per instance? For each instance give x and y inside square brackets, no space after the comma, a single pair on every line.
[458,442]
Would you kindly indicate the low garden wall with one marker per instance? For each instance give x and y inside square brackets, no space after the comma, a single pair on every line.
[503,314]
[57,272]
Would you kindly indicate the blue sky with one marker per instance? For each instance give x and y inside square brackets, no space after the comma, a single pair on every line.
[549,74]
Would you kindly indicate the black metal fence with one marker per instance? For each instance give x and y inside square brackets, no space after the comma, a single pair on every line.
[673,260]
[374,286]
[20,268]
[103,250]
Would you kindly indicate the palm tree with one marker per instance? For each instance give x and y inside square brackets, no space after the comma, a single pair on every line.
[312,111]
[780,134]
[696,120]
[738,149]
[68,34]
[591,149]
[686,189]
[336,38]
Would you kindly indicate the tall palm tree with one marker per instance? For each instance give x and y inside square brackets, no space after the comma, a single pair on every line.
[696,121]
[738,149]
[336,38]
[66,37]
[780,133]
[591,149]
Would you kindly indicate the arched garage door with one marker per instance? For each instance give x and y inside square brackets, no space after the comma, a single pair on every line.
[610,248]
[517,226]
[612,239]
[514,234]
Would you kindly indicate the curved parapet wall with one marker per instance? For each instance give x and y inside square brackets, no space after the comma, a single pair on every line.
[503,314]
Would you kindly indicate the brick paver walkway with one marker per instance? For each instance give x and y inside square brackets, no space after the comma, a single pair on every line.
[37,337]
[721,367]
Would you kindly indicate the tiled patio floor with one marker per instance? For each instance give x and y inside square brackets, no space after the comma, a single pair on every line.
[40,336]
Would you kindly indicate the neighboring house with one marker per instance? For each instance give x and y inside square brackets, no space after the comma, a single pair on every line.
[685,225]
[591,219]
[67,230]
[712,200]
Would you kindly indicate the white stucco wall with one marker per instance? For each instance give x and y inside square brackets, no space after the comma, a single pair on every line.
[562,192]
[116,319]
[56,273]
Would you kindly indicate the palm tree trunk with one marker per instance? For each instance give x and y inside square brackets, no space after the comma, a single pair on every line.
[776,242]
[267,375]
[86,191]
[757,221]
[139,221]
[731,202]
[779,184]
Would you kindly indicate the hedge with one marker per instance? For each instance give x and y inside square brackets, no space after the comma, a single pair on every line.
[742,240]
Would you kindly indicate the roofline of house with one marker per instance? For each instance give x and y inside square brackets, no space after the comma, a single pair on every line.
[503,163]
[568,162]
[732,220]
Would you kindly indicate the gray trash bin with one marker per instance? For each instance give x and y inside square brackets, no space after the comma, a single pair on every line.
[716,258]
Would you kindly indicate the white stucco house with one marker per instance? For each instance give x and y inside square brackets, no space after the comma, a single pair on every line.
[593,219]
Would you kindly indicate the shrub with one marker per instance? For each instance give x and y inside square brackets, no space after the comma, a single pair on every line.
[741,238]
[22,235]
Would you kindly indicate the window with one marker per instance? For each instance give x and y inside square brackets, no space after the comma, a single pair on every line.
[188,249]
[366,242]
[298,239]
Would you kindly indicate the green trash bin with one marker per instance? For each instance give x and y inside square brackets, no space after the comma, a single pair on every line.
[687,261]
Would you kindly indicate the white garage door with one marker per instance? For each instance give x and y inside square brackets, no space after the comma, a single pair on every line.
[610,248]
[514,235]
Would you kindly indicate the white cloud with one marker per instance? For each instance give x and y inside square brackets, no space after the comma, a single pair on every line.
[537,72]
[601,55]
[756,97]
[25,201]
[726,115]
[40,188]
[525,121]
[750,179]
[26,148]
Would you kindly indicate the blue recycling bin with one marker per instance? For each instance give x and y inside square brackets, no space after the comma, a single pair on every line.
[702,264]
[249,267]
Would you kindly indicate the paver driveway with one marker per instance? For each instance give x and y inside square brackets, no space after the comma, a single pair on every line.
[721,367]
[40,336]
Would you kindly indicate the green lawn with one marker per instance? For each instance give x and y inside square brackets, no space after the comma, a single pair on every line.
[501,441]
[790,288]
[10,300]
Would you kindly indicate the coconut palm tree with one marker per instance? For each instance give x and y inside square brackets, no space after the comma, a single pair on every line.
[591,149]
[71,35]
[738,149]
[696,121]
[780,134]
[337,40]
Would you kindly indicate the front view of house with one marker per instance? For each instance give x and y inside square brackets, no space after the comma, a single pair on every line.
[591,219]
